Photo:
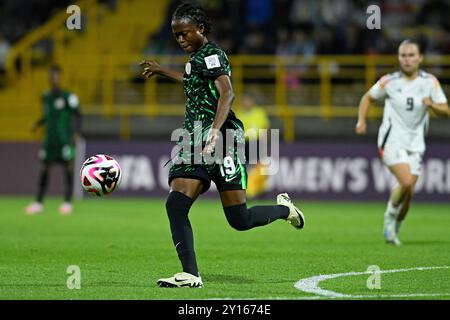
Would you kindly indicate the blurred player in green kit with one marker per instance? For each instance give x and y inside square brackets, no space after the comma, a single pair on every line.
[62,121]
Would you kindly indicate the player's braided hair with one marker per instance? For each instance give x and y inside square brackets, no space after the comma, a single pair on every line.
[194,13]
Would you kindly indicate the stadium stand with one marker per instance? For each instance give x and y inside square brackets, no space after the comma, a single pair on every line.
[309,69]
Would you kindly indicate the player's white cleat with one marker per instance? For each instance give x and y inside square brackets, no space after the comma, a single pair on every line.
[394,241]
[397,226]
[34,208]
[295,218]
[182,279]
[389,229]
[65,208]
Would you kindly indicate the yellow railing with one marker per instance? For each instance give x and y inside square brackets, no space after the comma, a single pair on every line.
[100,64]
[54,29]
[105,33]
[289,87]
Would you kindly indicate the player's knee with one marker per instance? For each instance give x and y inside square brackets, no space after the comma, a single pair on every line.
[240,225]
[171,204]
[238,217]
[407,183]
[178,203]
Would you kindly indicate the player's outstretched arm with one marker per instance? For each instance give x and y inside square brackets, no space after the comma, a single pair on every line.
[361,125]
[152,67]
[440,109]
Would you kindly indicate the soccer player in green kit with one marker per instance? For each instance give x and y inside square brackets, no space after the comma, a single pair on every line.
[61,117]
[207,86]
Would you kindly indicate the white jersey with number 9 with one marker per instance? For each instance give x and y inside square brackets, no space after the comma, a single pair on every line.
[405,117]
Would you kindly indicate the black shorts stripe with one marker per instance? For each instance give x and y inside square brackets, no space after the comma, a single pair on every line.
[386,137]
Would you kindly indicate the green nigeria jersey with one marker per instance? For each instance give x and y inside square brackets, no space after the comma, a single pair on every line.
[59,108]
[203,67]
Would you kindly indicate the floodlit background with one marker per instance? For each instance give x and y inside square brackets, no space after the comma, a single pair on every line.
[307,63]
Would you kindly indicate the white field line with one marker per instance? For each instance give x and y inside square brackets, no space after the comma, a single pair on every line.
[311,285]
[380,296]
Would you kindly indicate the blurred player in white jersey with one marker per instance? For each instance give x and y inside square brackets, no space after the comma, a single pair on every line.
[408,95]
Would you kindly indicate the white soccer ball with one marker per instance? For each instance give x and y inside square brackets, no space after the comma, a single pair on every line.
[100,175]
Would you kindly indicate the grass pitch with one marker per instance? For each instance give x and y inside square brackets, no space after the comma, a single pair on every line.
[122,246]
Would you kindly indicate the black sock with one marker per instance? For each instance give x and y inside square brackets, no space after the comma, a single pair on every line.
[178,205]
[68,174]
[241,218]
[42,183]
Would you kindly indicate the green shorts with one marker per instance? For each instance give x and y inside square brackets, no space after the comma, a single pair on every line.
[226,176]
[56,153]
[229,174]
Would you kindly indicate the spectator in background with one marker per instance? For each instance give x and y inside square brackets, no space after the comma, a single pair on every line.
[255,42]
[299,43]
[259,27]
[258,12]
[326,26]
[304,13]
[335,13]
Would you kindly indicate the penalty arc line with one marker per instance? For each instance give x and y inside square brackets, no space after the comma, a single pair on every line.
[311,284]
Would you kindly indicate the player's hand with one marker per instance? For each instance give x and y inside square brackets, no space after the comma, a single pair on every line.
[427,101]
[361,128]
[150,68]
[211,139]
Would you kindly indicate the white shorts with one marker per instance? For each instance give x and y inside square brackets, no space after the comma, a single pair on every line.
[392,155]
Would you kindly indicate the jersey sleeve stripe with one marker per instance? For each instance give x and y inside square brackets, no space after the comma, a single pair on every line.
[384,80]
[435,82]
